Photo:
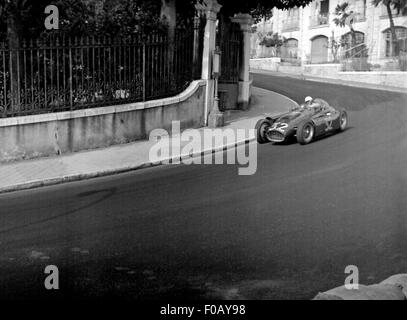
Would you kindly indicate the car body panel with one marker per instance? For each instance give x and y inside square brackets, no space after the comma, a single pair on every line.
[285,125]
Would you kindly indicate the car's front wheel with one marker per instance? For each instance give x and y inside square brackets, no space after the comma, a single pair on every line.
[343,121]
[305,132]
[261,130]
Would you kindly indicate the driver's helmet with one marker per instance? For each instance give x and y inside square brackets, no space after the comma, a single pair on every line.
[308,100]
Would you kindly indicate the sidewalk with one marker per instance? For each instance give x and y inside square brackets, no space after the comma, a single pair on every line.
[123,158]
[330,80]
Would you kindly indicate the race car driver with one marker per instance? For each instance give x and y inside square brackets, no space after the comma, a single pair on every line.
[318,105]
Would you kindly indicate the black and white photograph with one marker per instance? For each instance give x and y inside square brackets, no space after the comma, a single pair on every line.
[202,154]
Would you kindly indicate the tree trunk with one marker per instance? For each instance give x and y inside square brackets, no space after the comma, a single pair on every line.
[169,16]
[353,44]
[395,44]
[353,35]
[14,35]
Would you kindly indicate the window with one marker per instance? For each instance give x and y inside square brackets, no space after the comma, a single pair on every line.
[390,46]
[359,8]
[320,14]
[347,43]
[293,13]
[290,49]
[324,7]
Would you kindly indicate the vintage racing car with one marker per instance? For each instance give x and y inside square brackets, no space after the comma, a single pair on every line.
[305,124]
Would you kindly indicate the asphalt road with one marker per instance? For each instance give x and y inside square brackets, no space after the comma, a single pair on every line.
[204,232]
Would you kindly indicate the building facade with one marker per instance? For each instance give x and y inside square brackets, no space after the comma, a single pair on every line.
[308,31]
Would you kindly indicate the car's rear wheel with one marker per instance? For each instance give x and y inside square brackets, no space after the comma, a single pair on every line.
[343,121]
[305,132]
[261,129]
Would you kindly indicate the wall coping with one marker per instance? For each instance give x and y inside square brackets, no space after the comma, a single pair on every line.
[270,58]
[322,64]
[374,72]
[91,112]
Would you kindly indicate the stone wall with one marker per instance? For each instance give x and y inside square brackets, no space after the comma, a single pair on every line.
[333,71]
[322,70]
[270,64]
[385,78]
[59,133]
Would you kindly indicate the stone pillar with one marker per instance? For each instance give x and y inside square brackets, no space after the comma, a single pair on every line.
[211,8]
[245,21]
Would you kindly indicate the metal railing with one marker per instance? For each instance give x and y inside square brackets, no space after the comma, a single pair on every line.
[357,59]
[59,74]
[355,51]
[319,20]
[230,43]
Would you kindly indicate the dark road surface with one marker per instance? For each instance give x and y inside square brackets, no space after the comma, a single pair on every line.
[204,232]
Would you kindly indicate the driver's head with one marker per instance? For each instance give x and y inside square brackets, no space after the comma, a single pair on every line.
[308,100]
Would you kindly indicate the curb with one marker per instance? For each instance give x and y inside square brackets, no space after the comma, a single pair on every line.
[110,172]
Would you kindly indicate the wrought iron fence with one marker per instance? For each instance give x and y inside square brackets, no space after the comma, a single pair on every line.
[59,74]
[230,43]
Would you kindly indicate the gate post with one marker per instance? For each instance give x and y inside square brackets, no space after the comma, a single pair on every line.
[211,9]
[245,21]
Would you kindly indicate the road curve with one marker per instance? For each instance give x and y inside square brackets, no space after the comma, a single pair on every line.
[204,232]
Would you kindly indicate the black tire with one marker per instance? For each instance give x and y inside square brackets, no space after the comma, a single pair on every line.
[343,121]
[305,132]
[261,127]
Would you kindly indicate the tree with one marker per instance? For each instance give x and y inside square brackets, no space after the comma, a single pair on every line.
[20,18]
[126,17]
[335,45]
[89,17]
[401,7]
[272,40]
[259,8]
[13,12]
[169,13]
[344,17]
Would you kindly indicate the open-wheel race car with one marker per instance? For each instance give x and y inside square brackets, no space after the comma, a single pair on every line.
[303,123]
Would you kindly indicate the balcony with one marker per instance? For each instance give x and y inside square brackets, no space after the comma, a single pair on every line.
[322,19]
[291,25]
[359,17]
